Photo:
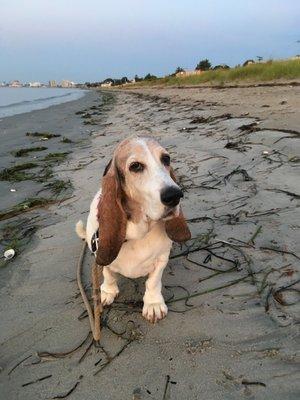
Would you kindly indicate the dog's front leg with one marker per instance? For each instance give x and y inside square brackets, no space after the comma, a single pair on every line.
[154,305]
[109,287]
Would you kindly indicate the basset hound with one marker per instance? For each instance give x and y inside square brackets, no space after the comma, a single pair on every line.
[133,220]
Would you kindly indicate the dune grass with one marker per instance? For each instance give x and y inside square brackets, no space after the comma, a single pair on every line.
[260,72]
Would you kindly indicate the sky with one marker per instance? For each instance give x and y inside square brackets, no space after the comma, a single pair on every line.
[90,40]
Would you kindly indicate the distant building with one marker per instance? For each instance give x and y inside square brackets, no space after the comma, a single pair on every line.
[182,74]
[106,84]
[15,84]
[35,84]
[67,84]
[296,57]
[52,84]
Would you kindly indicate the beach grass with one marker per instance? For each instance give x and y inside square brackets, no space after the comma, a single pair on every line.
[258,72]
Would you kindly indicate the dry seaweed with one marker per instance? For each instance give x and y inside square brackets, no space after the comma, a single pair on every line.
[238,171]
[19,363]
[127,343]
[65,395]
[37,380]
[209,290]
[53,355]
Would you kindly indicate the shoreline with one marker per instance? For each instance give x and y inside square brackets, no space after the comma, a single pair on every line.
[236,321]
[35,147]
[39,101]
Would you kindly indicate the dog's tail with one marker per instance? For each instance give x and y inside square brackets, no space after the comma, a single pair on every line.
[80,230]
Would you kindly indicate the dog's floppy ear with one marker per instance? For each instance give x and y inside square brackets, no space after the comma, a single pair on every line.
[111,216]
[177,228]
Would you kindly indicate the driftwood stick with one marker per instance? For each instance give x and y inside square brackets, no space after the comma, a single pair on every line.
[94,317]
[96,272]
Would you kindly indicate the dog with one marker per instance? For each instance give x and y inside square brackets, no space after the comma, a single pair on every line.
[133,220]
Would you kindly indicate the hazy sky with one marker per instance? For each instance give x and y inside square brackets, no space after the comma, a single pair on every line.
[89,40]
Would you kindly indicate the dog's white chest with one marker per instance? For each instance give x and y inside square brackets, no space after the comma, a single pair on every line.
[137,257]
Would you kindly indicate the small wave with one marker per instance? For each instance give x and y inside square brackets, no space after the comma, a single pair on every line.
[39,100]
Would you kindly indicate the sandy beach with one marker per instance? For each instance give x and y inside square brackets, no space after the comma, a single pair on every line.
[232,331]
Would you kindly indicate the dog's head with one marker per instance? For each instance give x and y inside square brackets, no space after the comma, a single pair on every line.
[138,183]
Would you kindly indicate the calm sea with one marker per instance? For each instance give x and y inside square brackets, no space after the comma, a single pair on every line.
[20,100]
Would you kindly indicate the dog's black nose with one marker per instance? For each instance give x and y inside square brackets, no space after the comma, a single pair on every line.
[170,196]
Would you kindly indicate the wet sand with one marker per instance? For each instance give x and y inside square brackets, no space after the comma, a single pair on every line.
[59,120]
[42,140]
[232,330]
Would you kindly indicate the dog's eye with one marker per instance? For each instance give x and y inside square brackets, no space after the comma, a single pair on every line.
[165,159]
[136,167]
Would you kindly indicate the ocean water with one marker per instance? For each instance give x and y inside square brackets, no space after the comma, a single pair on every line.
[20,100]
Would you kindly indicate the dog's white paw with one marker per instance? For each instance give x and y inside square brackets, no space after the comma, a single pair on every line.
[154,312]
[108,297]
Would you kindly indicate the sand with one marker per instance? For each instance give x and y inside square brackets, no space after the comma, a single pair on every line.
[235,333]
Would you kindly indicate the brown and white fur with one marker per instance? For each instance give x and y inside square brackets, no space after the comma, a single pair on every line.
[138,215]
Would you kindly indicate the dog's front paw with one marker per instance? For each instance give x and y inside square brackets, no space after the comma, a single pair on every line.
[153,312]
[108,297]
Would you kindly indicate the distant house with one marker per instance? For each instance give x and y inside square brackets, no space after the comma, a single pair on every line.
[52,84]
[248,62]
[15,84]
[182,74]
[35,84]
[106,84]
[67,84]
